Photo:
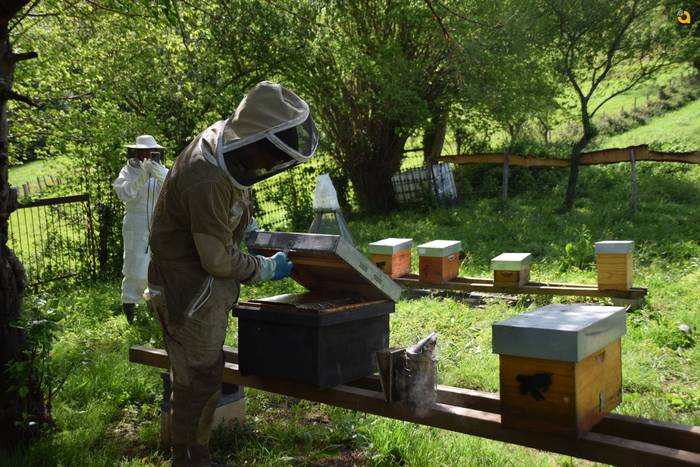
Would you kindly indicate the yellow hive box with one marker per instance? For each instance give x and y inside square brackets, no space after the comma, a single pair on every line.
[511,269]
[614,262]
[560,367]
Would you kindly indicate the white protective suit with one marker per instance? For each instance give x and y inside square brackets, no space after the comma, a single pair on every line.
[138,186]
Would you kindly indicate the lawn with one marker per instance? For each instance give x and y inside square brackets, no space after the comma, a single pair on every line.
[678,130]
[28,173]
[107,413]
[643,93]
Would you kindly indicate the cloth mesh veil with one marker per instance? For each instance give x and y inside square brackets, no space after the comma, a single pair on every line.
[268,112]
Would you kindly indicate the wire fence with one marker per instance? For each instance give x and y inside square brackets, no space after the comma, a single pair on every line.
[63,237]
[53,238]
[286,200]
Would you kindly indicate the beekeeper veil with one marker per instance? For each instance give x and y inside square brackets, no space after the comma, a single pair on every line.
[270,131]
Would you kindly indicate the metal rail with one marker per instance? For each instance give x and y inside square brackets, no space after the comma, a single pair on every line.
[616,440]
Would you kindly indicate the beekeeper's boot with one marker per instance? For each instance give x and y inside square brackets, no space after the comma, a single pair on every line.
[129,311]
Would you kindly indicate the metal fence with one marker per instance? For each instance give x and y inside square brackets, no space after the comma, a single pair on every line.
[53,238]
[62,237]
[285,201]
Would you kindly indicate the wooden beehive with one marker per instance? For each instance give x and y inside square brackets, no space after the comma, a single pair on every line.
[614,262]
[324,337]
[511,269]
[560,367]
[392,255]
[438,261]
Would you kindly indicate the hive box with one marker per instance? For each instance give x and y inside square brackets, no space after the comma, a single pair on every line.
[560,367]
[511,269]
[614,260]
[438,261]
[392,255]
[328,335]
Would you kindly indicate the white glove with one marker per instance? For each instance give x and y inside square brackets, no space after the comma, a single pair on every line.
[275,267]
[155,169]
[147,165]
[141,179]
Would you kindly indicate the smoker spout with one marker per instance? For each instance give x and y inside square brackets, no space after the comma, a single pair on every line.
[424,346]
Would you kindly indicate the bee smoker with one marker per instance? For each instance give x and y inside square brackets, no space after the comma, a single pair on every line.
[409,374]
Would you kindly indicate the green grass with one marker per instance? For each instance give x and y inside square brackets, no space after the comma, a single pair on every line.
[107,413]
[27,173]
[641,94]
[678,130]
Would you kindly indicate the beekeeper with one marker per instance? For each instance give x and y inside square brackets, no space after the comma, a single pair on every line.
[138,185]
[200,219]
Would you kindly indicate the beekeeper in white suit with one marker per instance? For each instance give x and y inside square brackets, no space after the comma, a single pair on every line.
[138,186]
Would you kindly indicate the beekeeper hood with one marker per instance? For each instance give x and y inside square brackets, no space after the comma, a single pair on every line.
[278,121]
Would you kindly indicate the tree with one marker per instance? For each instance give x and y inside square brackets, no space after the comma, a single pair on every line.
[12,277]
[606,47]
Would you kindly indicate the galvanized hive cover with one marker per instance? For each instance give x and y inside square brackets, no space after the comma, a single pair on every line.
[614,247]
[389,246]
[567,333]
[511,261]
[439,248]
[327,263]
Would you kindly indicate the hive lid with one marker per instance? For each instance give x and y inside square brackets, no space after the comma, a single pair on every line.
[612,246]
[511,261]
[439,248]
[327,263]
[567,333]
[389,246]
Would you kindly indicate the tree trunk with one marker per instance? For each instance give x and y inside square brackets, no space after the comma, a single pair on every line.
[588,134]
[434,137]
[12,277]
[373,187]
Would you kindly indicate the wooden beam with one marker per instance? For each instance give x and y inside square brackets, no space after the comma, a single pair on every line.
[474,284]
[601,446]
[604,156]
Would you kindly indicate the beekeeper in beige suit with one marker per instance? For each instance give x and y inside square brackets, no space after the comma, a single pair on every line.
[197,266]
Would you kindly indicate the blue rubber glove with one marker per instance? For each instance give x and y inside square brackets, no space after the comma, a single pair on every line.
[283,267]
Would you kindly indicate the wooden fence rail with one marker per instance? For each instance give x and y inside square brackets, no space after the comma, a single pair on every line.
[605,156]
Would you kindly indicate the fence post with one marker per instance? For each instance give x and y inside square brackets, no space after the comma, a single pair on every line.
[633,188]
[505,174]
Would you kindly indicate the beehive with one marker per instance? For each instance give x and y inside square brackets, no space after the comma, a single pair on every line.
[328,335]
[614,262]
[511,269]
[438,261]
[392,255]
[560,367]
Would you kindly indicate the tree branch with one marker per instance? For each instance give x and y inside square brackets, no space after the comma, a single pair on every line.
[437,18]
[614,47]
[9,95]
[642,75]
[23,56]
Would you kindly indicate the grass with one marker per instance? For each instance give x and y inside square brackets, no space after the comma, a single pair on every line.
[107,412]
[28,172]
[678,130]
[641,94]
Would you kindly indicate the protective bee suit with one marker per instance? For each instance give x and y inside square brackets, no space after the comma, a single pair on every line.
[200,219]
[138,186]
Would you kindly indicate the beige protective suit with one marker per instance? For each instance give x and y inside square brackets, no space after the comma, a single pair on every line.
[197,266]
